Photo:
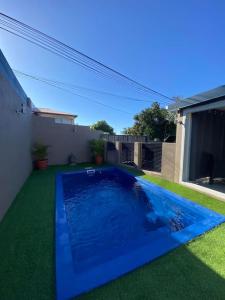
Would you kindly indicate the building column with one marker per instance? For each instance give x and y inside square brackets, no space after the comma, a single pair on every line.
[178,151]
[186,148]
[105,151]
[183,144]
[138,154]
[119,152]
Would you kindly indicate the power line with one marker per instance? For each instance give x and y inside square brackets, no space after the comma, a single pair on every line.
[59,52]
[77,87]
[53,45]
[79,95]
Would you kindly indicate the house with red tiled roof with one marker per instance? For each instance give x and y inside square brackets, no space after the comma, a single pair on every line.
[60,117]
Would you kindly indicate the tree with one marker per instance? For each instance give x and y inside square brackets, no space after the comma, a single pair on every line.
[104,126]
[154,122]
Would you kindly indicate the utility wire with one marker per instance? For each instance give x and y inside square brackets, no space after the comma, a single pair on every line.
[59,53]
[55,46]
[79,95]
[77,87]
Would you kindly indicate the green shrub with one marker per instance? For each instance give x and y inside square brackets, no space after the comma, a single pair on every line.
[97,147]
[40,151]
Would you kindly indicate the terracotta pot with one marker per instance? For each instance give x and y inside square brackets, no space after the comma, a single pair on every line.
[42,164]
[98,159]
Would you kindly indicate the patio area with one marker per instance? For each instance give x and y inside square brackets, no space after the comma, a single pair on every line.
[193,271]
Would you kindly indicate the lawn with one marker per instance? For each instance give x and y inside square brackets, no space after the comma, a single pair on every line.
[193,271]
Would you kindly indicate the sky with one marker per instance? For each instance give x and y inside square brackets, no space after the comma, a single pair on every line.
[174,47]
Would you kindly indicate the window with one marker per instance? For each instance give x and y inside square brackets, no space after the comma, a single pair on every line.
[63,121]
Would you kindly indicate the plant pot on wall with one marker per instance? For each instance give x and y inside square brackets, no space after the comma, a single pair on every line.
[41,164]
[97,150]
[40,153]
[98,159]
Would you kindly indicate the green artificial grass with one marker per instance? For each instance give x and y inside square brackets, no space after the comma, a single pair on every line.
[193,271]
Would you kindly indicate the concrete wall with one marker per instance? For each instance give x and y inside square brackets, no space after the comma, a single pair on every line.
[15,136]
[167,157]
[168,161]
[63,139]
[178,152]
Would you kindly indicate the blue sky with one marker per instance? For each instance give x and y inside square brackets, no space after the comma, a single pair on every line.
[174,47]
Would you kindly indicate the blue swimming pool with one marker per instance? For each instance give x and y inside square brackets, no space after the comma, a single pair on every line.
[109,223]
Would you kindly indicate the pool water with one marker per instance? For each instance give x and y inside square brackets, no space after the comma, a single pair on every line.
[114,218]
[109,213]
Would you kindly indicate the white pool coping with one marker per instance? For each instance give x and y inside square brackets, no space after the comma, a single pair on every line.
[219,195]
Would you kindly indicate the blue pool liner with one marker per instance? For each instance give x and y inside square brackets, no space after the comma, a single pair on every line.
[70,284]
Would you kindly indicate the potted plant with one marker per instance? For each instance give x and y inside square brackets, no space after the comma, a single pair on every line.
[40,153]
[97,149]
